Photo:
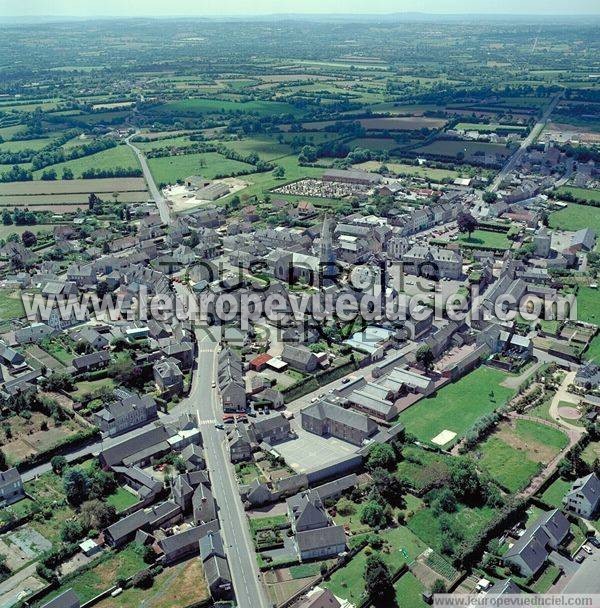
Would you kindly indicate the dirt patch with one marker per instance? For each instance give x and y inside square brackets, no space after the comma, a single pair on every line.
[535,450]
[569,413]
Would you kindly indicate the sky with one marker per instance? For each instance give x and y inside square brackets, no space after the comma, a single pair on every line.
[174,8]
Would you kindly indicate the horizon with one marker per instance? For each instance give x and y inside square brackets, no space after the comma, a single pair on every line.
[58,9]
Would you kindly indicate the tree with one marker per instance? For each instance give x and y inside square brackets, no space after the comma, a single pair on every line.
[67,173]
[279,172]
[71,531]
[373,515]
[3,463]
[466,222]
[378,581]
[425,356]
[489,197]
[75,484]
[58,464]
[381,456]
[388,485]
[438,586]
[101,289]
[7,218]
[28,238]
[97,514]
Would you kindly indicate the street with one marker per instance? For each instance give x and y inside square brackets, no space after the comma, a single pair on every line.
[204,402]
[159,199]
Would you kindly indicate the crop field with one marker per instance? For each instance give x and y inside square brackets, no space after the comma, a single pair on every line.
[374,143]
[469,149]
[487,128]
[169,169]
[402,123]
[219,106]
[457,406]
[515,453]
[418,170]
[74,186]
[113,158]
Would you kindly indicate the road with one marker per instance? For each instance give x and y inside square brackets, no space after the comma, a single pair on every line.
[203,401]
[533,135]
[157,197]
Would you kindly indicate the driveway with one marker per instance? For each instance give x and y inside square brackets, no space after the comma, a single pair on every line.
[562,394]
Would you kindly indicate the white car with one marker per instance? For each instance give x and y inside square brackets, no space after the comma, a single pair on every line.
[214,385]
[587,549]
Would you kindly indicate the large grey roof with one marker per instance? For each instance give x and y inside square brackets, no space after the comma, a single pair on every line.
[323,537]
[323,410]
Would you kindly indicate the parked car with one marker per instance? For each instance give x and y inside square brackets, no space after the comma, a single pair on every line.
[593,540]
[587,549]
[580,557]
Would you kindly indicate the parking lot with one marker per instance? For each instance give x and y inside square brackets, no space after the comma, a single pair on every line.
[310,451]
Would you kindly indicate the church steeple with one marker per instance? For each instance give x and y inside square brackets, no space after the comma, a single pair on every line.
[328,268]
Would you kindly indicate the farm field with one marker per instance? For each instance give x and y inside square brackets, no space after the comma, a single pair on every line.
[74,186]
[515,452]
[120,157]
[404,169]
[588,307]
[402,123]
[487,128]
[201,106]
[470,150]
[457,406]
[170,169]
[37,229]
[11,305]
[374,143]
[585,194]
[576,217]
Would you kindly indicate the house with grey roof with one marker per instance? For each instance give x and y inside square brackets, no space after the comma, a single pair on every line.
[67,599]
[193,457]
[299,358]
[124,415]
[11,487]
[319,598]
[216,569]
[241,443]
[231,381]
[146,487]
[140,449]
[271,429]
[306,511]
[185,544]
[125,529]
[168,377]
[322,543]
[327,419]
[91,362]
[588,376]
[185,486]
[204,506]
[507,586]
[530,552]
[584,496]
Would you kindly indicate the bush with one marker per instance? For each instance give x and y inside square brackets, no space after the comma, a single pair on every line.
[143,580]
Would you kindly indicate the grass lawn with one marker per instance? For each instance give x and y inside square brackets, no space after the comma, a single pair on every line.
[88,584]
[122,499]
[508,466]
[113,158]
[266,523]
[588,305]
[457,406]
[348,582]
[486,128]
[514,454]
[545,580]
[593,351]
[591,452]
[248,472]
[17,510]
[467,521]
[11,306]
[409,591]
[267,148]
[485,238]
[87,387]
[169,169]
[576,217]
[580,193]
[176,587]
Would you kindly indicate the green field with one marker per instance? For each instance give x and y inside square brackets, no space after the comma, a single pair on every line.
[470,150]
[580,193]
[576,217]
[417,170]
[457,406]
[122,499]
[469,522]
[514,454]
[190,107]
[485,238]
[554,493]
[348,582]
[423,468]
[486,128]
[169,169]
[11,305]
[588,305]
[409,591]
[120,157]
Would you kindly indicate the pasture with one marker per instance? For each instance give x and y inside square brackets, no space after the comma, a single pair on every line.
[469,150]
[457,406]
[576,217]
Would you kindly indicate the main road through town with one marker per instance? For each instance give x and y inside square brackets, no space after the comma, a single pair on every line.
[530,139]
[204,402]
[157,197]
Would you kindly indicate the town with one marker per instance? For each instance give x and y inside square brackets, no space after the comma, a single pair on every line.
[391,228]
